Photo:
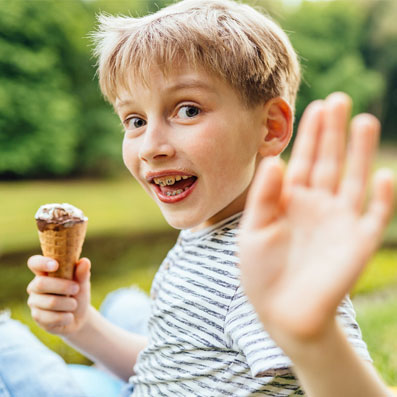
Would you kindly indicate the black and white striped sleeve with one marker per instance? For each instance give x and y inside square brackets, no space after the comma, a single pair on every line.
[245,333]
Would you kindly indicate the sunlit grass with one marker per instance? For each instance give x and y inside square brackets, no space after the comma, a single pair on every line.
[119,205]
[125,249]
[377,316]
[112,206]
[380,272]
[123,261]
[116,262]
[140,277]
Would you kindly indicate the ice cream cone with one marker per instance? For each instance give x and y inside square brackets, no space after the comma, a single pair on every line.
[61,234]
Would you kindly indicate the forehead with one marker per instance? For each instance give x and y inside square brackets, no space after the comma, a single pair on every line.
[179,78]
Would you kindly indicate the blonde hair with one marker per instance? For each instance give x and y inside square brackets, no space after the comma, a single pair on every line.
[230,40]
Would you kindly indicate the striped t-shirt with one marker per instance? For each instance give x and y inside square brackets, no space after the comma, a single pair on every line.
[204,336]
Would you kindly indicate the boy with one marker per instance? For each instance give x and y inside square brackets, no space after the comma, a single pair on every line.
[205,91]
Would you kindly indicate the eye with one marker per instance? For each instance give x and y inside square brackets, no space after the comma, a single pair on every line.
[188,111]
[134,122]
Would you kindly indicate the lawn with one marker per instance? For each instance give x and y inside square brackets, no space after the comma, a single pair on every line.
[112,206]
[377,316]
[117,261]
[120,261]
[127,239]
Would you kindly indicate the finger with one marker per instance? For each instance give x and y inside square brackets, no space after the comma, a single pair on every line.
[52,285]
[380,208]
[330,156]
[365,130]
[83,271]
[83,275]
[41,265]
[264,195]
[52,302]
[303,152]
[50,319]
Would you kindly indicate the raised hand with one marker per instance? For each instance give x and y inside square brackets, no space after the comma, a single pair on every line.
[305,237]
[58,305]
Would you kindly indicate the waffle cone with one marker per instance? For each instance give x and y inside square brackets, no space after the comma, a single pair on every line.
[64,244]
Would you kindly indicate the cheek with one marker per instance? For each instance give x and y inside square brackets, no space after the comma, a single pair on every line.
[129,156]
[212,144]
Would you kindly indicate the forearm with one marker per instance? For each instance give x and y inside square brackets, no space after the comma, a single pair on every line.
[108,345]
[329,367]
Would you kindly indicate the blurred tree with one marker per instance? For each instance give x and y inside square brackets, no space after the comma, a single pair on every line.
[38,125]
[53,120]
[328,37]
[379,46]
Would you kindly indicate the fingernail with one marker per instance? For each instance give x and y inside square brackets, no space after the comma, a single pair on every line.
[51,265]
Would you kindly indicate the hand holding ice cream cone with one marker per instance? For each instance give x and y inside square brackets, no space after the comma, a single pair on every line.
[60,303]
[62,229]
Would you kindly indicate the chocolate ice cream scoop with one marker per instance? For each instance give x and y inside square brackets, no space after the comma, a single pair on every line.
[60,214]
[62,230]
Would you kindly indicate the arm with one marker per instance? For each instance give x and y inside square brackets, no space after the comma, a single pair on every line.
[62,307]
[305,239]
[107,344]
[330,367]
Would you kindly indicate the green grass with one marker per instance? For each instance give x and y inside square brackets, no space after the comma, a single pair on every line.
[380,272]
[116,262]
[119,261]
[112,206]
[127,239]
[377,316]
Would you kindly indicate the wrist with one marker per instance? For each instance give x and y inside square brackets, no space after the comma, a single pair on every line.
[85,328]
[327,365]
[305,350]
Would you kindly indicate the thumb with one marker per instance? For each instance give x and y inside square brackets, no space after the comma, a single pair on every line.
[83,271]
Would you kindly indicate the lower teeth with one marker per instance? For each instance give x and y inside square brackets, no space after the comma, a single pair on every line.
[179,191]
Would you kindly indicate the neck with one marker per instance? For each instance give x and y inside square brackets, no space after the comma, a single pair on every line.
[236,206]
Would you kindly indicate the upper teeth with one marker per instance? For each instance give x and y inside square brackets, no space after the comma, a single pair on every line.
[169,180]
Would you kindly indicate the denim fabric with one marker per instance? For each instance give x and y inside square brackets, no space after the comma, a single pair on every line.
[94,382]
[30,369]
[128,308]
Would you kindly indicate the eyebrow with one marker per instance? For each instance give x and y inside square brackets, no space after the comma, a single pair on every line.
[190,84]
[176,87]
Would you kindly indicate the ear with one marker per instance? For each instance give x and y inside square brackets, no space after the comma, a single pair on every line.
[278,120]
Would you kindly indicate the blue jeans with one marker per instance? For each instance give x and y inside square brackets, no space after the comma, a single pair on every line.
[30,369]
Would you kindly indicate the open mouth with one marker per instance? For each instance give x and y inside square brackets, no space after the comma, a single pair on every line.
[172,188]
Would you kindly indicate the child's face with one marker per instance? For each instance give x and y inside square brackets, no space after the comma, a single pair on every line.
[191,144]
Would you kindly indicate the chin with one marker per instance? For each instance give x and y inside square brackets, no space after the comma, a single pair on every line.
[181,222]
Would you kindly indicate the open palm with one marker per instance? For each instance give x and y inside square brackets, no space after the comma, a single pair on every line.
[304,237]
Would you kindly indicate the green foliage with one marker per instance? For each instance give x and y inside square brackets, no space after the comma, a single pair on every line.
[37,114]
[379,46]
[54,122]
[52,118]
[327,37]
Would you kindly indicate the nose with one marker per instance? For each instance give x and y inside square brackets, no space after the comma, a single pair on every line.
[156,143]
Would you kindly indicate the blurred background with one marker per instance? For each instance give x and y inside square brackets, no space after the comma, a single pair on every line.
[60,142]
